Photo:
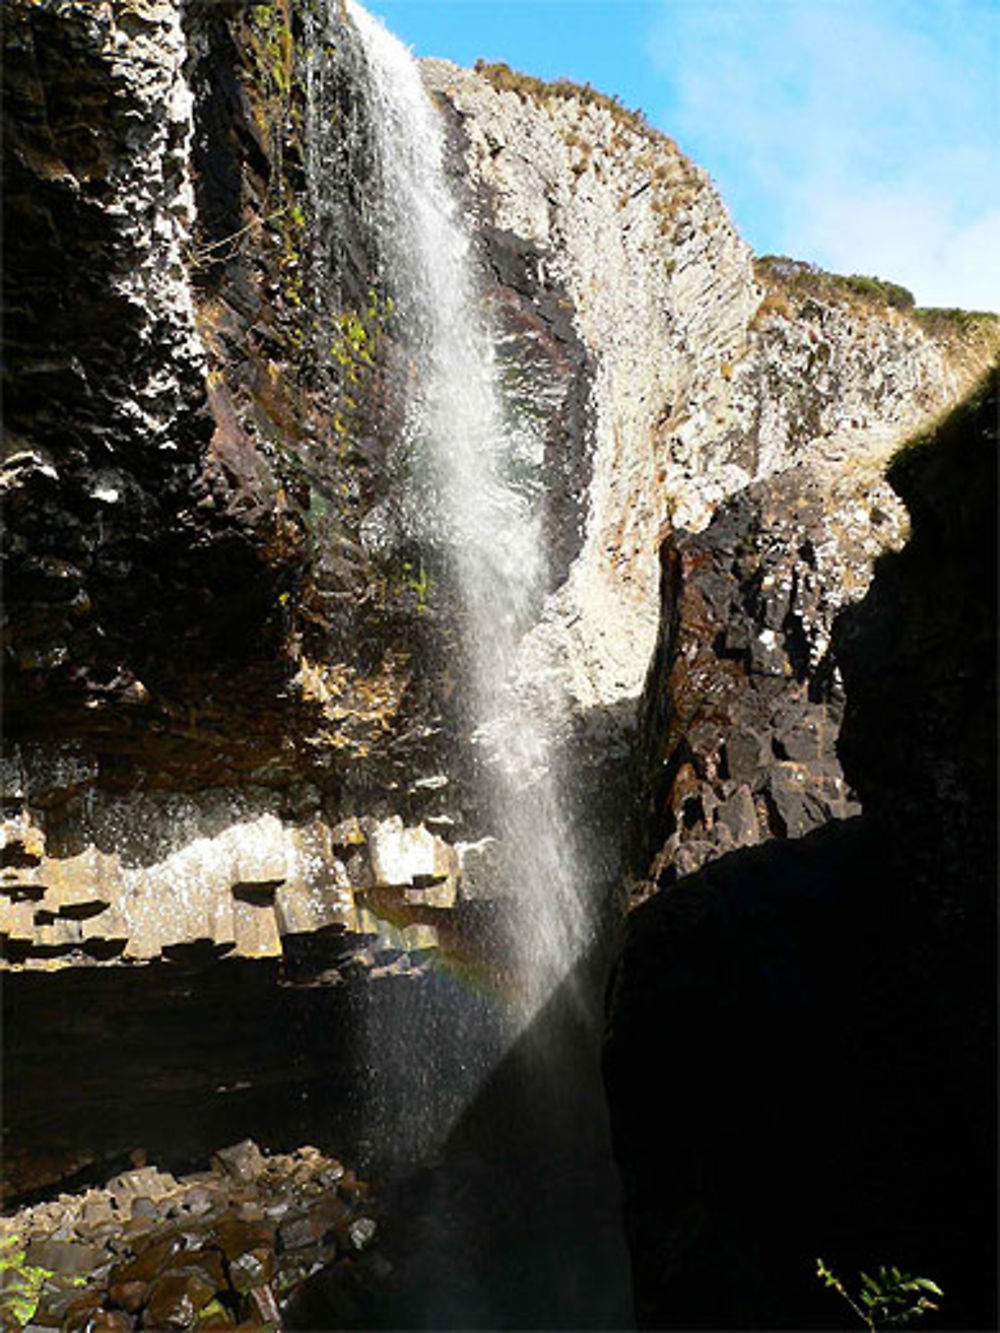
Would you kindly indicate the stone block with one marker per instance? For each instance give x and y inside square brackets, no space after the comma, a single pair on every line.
[745,756]
[300,909]
[22,842]
[739,815]
[255,931]
[410,856]
[242,1162]
[260,852]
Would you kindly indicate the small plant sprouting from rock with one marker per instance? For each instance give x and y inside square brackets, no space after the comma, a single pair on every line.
[887,1300]
[417,582]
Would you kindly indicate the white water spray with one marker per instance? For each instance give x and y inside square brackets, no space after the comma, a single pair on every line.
[492,531]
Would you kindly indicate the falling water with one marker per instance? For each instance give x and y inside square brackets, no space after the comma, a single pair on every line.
[486,521]
[495,1086]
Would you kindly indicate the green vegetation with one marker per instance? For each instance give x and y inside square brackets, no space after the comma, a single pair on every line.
[888,1299]
[810,280]
[20,1284]
[941,320]
[273,46]
[797,279]
[418,582]
[505,79]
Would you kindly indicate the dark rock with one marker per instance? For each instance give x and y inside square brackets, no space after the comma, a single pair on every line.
[130,1295]
[310,1226]
[259,1304]
[176,1297]
[798,807]
[65,1257]
[243,1162]
[745,756]
[81,1312]
[235,1236]
[797,994]
[739,814]
[111,1321]
[151,1259]
[252,1268]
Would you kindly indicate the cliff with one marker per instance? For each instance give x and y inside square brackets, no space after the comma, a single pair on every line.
[819,1009]
[236,751]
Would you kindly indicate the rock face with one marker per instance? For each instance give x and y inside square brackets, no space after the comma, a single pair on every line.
[745,697]
[796,997]
[235,736]
[704,379]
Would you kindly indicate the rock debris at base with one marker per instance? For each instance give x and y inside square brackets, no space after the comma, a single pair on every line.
[224,1248]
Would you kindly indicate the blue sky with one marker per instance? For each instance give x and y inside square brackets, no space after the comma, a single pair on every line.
[859,134]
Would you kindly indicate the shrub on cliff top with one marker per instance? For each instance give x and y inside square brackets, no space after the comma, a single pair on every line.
[810,280]
[505,79]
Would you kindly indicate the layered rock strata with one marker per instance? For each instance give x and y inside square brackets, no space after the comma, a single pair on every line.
[227,873]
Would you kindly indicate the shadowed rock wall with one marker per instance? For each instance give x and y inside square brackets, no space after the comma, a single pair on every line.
[822,1011]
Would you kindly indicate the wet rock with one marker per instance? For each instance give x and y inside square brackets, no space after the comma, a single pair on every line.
[209,1262]
[152,1258]
[235,1236]
[260,1304]
[176,1297]
[413,859]
[66,1257]
[252,1268]
[309,1227]
[81,1312]
[243,1162]
[130,1295]
[111,1321]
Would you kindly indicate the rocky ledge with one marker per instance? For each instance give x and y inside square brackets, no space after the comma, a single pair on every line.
[219,1249]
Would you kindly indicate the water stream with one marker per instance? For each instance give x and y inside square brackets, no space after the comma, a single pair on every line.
[490,1083]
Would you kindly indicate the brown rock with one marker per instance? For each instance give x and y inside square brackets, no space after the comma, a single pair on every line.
[235,1236]
[147,1264]
[261,1305]
[176,1297]
[310,1226]
[131,1296]
[111,1321]
[81,1312]
[253,1268]
[70,1258]
[242,1162]
[209,1262]
[215,1315]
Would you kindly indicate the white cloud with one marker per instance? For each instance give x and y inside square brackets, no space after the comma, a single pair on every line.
[860,134]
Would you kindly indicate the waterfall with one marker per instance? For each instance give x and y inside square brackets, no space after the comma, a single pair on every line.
[466,498]
[482,1099]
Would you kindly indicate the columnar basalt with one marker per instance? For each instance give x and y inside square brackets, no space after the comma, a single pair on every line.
[706,378]
[238,771]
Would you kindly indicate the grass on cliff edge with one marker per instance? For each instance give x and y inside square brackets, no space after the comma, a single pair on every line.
[507,80]
[800,279]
